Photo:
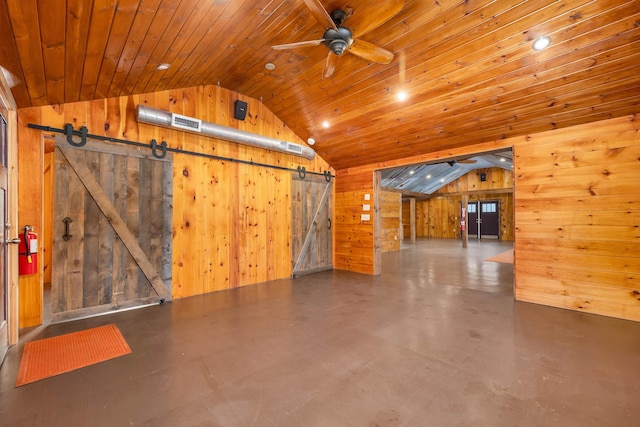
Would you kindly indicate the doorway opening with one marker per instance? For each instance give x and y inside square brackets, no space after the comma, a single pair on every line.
[431,214]
[483,219]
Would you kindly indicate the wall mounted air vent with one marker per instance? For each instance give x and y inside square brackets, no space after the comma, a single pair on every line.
[186,123]
[171,120]
[294,148]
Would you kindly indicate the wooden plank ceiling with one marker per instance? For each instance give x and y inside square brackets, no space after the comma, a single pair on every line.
[467,66]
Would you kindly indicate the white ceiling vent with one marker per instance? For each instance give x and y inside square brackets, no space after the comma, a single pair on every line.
[186,123]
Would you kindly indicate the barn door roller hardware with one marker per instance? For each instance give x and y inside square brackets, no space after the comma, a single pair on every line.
[160,151]
[166,119]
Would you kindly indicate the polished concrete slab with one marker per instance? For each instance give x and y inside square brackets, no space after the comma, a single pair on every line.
[436,340]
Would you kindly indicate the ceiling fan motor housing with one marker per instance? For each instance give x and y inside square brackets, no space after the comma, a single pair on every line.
[338,41]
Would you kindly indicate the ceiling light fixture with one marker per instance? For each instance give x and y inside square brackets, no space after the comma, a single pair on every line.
[411,172]
[269,66]
[311,141]
[163,66]
[541,43]
[428,176]
[502,159]
[325,124]
[402,96]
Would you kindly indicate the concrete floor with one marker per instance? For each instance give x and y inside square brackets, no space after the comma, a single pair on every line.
[436,340]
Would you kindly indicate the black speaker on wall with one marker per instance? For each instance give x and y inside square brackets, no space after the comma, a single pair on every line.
[240,111]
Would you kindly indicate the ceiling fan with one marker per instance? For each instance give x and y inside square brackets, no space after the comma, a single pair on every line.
[468,161]
[340,39]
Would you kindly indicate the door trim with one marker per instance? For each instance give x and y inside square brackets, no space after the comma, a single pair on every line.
[9,109]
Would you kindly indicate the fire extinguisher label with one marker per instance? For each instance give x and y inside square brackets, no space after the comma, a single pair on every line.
[33,246]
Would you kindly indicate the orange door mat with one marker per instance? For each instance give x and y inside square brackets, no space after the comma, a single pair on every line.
[53,356]
[505,257]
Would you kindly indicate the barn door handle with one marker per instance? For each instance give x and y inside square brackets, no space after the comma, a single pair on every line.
[329,219]
[66,236]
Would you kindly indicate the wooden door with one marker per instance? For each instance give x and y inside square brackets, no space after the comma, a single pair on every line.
[311,228]
[112,229]
[4,300]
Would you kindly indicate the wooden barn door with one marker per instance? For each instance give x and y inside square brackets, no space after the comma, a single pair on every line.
[111,229]
[311,226]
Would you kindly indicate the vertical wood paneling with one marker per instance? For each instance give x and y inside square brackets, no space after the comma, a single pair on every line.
[106,234]
[231,222]
[390,203]
[30,196]
[438,217]
[91,239]
[406,219]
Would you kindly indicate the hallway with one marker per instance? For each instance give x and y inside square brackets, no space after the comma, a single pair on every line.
[435,340]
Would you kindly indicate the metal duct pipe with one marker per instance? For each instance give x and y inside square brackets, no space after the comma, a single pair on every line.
[176,121]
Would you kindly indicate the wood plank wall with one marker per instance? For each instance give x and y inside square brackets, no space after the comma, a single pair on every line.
[577,213]
[390,216]
[354,247]
[470,183]
[438,216]
[577,223]
[231,222]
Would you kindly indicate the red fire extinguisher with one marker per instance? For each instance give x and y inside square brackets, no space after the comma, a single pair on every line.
[28,252]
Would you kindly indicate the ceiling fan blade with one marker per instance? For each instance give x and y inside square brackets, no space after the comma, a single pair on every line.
[320,13]
[297,44]
[329,65]
[362,21]
[370,52]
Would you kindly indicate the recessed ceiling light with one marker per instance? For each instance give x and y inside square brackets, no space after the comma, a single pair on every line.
[311,141]
[402,96]
[325,124]
[541,43]
[269,66]
[163,66]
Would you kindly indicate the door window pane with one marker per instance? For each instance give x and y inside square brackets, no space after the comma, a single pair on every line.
[489,207]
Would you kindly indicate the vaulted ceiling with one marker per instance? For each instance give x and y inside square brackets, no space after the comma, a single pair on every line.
[467,67]
[425,179]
